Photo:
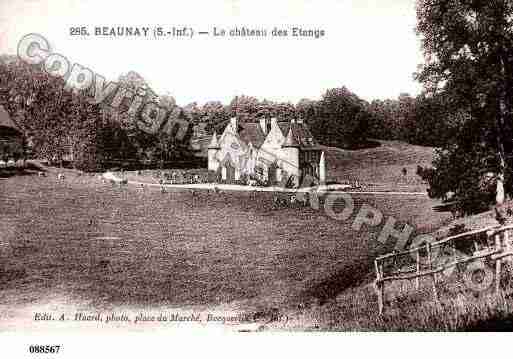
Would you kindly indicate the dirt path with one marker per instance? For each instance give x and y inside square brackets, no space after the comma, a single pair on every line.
[232,187]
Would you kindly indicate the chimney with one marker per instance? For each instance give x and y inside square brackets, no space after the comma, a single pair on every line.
[233,123]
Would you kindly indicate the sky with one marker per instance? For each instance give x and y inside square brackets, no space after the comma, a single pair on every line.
[369,46]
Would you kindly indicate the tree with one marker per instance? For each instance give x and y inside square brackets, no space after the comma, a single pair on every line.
[56,119]
[341,118]
[245,108]
[212,114]
[468,48]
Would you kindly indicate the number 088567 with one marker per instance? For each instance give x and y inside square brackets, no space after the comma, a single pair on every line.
[44,349]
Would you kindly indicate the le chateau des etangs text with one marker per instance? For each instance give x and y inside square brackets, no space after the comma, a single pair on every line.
[187,32]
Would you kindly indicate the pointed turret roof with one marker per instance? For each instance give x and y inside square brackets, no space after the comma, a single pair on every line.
[322,160]
[301,134]
[214,143]
[291,140]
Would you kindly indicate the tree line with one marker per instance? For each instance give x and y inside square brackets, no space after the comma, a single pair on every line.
[58,121]
[465,110]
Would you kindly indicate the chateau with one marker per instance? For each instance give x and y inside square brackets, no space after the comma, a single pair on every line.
[270,151]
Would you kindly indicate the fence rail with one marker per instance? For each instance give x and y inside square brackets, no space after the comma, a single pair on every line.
[493,243]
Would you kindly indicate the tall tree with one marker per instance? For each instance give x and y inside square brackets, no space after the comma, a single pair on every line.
[468,48]
[341,118]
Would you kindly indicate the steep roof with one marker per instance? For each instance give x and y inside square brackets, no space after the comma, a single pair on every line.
[300,135]
[290,140]
[304,136]
[284,127]
[5,120]
[252,133]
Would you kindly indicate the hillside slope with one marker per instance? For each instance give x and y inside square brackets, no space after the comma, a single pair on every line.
[458,308]
[381,166]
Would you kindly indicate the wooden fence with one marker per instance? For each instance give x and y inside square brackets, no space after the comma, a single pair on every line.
[492,243]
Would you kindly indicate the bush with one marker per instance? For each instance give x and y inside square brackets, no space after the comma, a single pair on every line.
[457,176]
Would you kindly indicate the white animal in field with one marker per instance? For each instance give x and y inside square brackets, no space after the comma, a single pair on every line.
[60,176]
[41,174]
[111,177]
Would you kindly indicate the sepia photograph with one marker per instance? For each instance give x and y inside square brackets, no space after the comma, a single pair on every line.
[242,168]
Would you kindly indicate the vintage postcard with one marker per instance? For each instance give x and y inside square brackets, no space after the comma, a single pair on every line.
[223,167]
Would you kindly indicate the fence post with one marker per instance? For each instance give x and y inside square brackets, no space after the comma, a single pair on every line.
[417,280]
[498,263]
[380,286]
[433,275]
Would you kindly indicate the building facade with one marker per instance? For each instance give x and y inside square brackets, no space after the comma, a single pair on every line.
[270,151]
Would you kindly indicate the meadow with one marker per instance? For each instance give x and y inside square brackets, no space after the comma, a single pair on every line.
[132,247]
[127,246]
[381,167]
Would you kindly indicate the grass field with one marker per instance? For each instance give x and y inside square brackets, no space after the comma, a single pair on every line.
[382,166]
[111,246]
